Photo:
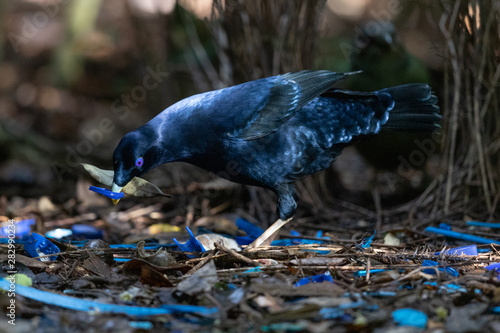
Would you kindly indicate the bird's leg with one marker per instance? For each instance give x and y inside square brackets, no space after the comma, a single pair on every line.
[268,236]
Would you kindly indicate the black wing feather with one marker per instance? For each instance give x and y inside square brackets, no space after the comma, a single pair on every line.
[290,92]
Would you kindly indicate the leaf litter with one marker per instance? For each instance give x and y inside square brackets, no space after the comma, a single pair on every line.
[326,282]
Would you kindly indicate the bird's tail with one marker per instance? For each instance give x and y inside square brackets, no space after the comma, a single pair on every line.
[415,108]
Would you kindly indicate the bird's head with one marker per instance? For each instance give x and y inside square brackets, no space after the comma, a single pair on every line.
[135,155]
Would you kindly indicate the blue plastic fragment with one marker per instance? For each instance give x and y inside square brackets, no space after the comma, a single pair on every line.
[143,325]
[79,304]
[315,279]
[21,229]
[444,226]
[250,229]
[192,245]
[410,317]
[295,233]
[58,233]
[36,245]
[452,287]
[494,267]
[482,224]
[462,236]
[319,234]
[122,259]
[331,313]
[108,193]
[244,240]
[449,270]
[294,241]
[252,270]
[380,293]
[367,242]
[468,250]
[84,231]
[372,271]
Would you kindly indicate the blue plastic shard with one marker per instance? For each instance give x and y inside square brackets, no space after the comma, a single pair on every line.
[250,229]
[410,317]
[449,270]
[444,226]
[494,267]
[297,240]
[372,271]
[319,234]
[84,231]
[36,245]
[462,236]
[468,250]
[122,259]
[252,270]
[331,313]
[79,304]
[142,325]
[192,245]
[380,293]
[20,229]
[315,279]
[482,224]
[244,240]
[108,193]
[367,242]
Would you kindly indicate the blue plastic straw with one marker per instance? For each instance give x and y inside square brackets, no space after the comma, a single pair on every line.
[74,303]
[482,224]
[462,236]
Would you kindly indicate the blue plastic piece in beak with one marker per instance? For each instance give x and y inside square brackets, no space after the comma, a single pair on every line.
[106,192]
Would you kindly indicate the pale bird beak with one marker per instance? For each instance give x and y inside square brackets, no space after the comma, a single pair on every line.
[115,188]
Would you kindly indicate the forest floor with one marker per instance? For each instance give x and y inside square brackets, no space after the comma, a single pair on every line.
[335,275]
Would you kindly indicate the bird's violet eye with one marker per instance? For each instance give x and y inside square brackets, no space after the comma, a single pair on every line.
[139,162]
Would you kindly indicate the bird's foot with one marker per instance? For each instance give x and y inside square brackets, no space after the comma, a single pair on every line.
[268,236]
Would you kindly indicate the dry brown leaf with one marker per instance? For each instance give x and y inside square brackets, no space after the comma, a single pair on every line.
[104,177]
[137,187]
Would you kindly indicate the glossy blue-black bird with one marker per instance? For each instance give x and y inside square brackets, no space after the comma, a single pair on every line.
[271,132]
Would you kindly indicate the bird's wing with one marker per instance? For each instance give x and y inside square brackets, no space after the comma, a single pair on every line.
[289,93]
